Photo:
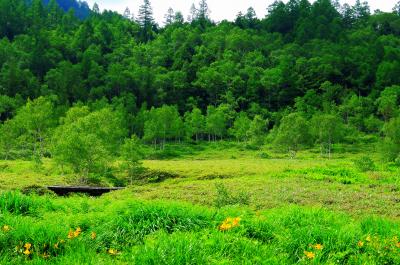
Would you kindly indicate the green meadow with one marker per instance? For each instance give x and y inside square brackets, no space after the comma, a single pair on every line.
[214,204]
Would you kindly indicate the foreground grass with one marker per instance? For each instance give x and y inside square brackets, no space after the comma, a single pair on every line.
[82,230]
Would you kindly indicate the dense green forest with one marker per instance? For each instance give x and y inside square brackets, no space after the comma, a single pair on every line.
[81,91]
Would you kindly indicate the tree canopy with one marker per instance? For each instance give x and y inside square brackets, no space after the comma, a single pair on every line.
[307,73]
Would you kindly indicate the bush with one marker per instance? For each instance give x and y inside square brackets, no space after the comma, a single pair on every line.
[154,176]
[224,197]
[163,154]
[389,151]
[365,164]
[264,155]
[36,190]
[253,147]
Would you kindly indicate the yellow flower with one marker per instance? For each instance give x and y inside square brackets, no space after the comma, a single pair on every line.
[112,251]
[71,234]
[77,232]
[225,226]
[6,228]
[93,235]
[309,255]
[27,252]
[360,244]
[28,246]
[318,246]
[368,238]
[236,221]
[229,223]
[398,244]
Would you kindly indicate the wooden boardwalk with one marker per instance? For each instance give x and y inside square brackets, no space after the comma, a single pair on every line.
[92,191]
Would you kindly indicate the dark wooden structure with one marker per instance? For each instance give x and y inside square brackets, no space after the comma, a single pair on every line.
[92,191]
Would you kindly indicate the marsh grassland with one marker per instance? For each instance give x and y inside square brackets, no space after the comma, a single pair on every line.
[215,204]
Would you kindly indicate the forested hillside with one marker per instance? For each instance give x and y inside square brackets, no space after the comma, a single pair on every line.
[305,74]
[81,8]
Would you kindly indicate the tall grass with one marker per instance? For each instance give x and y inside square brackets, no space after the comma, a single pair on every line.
[16,203]
[129,231]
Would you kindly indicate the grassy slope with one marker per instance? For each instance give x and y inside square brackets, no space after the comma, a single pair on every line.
[294,204]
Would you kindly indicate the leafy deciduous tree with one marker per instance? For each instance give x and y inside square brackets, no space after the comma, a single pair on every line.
[132,153]
[293,133]
[216,123]
[194,123]
[85,140]
[240,127]
[327,129]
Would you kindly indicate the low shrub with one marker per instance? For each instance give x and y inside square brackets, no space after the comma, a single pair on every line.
[163,154]
[264,155]
[225,197]
[154,176]
[37,190]
[364,164]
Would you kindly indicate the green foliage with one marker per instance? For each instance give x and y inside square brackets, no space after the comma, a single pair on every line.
[36,190]
[365,164]
[132,153]
[303,57]
[336,174]
[8,140]
[315,72]
[216,121]
[240,127]
[388,102]
[177,233]
[257,130]
[327,129]
[86,140]
[17,203]
[316,47]
[8,106]
[390,146]
[194,123]
[163,124]
[30,129]
[153,176]
[224,197]
[146,20]
[264,155]
[293,132]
